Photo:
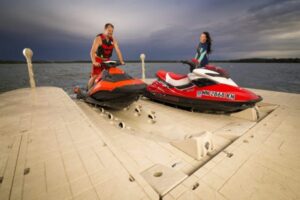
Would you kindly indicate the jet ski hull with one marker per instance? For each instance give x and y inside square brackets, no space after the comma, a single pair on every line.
[114,88]
[200,104]
[200,93]
[119,98]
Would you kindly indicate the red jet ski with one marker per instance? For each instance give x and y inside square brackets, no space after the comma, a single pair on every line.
[113,88]
[204,89]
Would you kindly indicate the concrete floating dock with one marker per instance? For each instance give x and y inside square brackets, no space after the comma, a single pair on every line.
[52,147]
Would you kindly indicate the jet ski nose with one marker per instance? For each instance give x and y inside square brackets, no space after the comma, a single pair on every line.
[259,98]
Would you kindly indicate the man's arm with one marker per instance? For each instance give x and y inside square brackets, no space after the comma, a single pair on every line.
[118,51]
[97,42]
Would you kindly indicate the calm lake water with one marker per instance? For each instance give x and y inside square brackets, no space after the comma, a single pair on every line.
[270,76]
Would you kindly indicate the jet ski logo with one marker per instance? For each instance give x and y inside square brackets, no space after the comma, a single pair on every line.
[218,94]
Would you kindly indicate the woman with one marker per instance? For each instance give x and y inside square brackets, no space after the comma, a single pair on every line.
[203,49]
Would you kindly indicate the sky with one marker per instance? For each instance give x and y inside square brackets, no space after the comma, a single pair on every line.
[162,29]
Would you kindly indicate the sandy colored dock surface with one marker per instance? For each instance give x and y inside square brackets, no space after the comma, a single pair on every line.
[54,148]
[50,150]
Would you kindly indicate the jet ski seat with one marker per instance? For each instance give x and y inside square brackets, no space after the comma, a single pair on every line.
[172,78]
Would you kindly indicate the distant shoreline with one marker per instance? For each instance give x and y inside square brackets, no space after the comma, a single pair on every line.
[246,60]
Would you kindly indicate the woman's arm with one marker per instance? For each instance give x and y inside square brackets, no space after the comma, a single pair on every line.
[118,51]
[202,50]
[97,42]
[202,54]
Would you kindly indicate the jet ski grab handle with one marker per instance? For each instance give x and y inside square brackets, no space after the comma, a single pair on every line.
[111,63]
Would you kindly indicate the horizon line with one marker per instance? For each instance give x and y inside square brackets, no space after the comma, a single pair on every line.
[292,60]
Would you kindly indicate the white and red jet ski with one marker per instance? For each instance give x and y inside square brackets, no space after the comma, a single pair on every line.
[204,89]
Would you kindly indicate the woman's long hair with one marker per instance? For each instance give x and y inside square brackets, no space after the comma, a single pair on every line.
[208,41]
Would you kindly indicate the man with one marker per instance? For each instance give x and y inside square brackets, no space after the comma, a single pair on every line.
[102,50]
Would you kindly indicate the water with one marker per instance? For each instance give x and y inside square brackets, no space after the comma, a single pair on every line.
[270,76]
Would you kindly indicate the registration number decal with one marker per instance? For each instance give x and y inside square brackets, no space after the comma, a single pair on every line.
[218,94]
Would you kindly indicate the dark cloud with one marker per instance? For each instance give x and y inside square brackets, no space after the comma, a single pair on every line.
[64,30]
[271,28]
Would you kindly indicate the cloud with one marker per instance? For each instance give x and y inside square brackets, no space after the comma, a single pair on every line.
[162,29]
[270,30]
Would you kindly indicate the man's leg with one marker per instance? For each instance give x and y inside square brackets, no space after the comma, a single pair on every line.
[91,81]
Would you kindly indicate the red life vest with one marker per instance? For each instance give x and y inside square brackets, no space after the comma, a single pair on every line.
[106,49]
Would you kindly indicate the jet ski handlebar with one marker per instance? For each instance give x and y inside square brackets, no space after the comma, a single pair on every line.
[190,63]
[194,65]
[111,63]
